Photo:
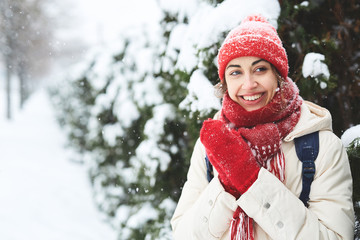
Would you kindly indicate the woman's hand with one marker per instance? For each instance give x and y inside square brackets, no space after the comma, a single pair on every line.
[230,155]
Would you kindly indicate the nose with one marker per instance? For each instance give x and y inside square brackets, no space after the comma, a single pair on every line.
[249,82]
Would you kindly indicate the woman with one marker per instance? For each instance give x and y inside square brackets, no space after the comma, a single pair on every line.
[250,144]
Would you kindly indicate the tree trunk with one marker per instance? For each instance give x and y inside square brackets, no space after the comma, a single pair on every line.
[8,93]
[23,88]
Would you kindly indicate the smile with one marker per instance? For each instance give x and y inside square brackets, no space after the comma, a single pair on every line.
[252,98]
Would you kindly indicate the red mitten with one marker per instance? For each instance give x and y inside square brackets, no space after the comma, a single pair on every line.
[230,155]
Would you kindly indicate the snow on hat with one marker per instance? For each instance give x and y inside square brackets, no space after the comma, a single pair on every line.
[256,37]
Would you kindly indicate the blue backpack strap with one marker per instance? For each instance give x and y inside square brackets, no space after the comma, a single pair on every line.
[209,169]
[307,149]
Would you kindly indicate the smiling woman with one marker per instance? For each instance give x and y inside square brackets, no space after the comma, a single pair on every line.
[250,143]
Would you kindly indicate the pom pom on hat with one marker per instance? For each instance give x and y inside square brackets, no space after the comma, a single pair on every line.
[256,37]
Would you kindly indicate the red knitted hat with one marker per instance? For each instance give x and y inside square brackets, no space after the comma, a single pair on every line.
[256,37]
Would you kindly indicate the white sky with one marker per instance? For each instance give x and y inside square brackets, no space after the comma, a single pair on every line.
[104,20]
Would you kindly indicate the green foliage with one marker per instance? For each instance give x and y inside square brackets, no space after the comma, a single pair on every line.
[353,151]
[214,2]
[77,111]
[330,28]
[133,184]
[206,57]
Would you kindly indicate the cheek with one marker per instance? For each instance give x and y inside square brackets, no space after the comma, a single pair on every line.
[271,89]
[232,90]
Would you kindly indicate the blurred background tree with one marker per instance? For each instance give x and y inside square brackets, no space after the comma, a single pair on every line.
[25,46]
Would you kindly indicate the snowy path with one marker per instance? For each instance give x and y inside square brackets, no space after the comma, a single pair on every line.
[43,196]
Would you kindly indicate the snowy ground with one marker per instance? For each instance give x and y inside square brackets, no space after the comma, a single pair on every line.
[43,195]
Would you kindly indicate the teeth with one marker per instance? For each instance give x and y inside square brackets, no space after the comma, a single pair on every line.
[252,98]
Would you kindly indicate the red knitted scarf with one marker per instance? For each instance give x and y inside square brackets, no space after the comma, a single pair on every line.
[263,129]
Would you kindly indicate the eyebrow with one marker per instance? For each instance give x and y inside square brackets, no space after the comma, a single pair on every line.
[254,63]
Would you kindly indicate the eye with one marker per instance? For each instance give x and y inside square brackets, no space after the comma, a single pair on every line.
[234,73]
[261,69]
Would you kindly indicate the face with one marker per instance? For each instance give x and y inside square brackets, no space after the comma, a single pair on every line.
[251,82]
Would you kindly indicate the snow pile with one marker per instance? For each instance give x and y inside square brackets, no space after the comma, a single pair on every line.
[350,135]
[201,96]
[209,23]
[149,152]
[182,9]
[315,67]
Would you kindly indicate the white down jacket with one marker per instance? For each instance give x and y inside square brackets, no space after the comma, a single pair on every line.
[204,211]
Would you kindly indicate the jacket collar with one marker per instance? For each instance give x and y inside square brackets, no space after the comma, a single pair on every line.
[313,118]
